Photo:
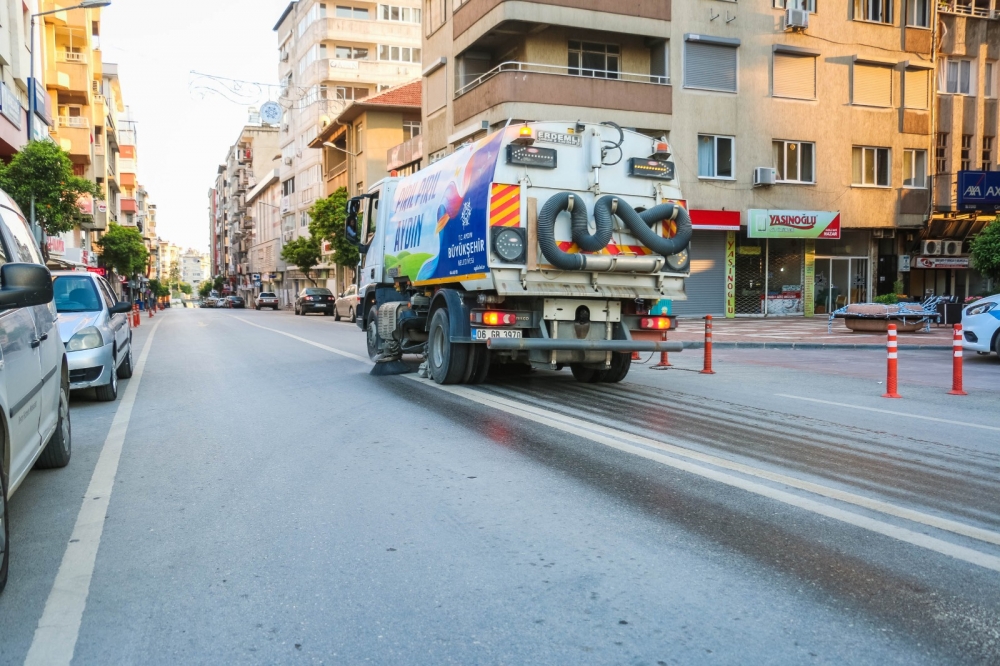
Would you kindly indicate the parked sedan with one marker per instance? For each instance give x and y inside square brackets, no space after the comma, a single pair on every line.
[93,324]
[266,299]
[236,301]
[222,303]
[981,325]
[209,301]
[347,304]
[314,299]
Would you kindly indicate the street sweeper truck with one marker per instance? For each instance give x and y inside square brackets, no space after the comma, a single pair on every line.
[545,244]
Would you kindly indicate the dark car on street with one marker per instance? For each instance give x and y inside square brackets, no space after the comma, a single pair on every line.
[314,299]
[236,301]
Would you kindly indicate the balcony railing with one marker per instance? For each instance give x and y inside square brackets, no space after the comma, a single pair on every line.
[66,56]
[74,121]
[559,70]
[973,8]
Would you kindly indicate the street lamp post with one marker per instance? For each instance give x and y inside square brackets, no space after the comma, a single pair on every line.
[32,93]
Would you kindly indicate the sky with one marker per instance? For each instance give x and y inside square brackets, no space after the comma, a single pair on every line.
[183,135]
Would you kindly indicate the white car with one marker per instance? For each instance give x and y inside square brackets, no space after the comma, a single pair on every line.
[981,325]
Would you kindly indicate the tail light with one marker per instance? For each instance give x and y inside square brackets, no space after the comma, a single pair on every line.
[655,323]
[494,318]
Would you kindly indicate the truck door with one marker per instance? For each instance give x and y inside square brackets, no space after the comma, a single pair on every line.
[372,262]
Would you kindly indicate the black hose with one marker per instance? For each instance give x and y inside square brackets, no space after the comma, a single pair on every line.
[547,230]
[640,223]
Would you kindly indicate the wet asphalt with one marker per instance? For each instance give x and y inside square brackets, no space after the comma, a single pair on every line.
[277,504]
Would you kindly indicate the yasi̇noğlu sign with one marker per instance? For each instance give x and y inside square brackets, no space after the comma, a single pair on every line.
[793,224]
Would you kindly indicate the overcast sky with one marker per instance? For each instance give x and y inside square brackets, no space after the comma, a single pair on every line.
[182,139]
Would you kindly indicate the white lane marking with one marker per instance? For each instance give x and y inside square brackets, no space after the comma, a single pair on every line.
[889,411]
[349,355]
[613,439]
[58,628]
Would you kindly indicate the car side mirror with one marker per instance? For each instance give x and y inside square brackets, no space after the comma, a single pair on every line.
[121,307]
[24,285]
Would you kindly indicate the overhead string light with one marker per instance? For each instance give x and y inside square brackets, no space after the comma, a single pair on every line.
[255,93]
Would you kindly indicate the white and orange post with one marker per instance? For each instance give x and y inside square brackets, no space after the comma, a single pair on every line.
[891,379]
[707,370]
[956,358]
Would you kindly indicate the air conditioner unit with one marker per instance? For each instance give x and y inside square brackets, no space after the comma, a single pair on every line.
[287,161]
[952,248]
[796,19]
[284,56]
[764,176]
[931,247]
[95,86]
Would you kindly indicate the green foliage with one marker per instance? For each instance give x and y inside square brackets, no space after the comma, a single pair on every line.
[327,223]
[887,299]
[985,252]
[186,288]
[42,169]
[123,250]
[218,283]
[304,253]
[205,288]
[897,287]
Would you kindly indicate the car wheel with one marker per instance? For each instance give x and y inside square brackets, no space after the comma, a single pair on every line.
[60,447]
[445,360]
[351,317]
[127,365]
[4,527]
[275,308]
[336,314]
[109,391]
[257,308]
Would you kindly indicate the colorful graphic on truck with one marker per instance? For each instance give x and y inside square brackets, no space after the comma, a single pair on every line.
[437,228]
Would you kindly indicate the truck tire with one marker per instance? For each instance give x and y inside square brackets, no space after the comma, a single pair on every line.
[621,362]
[60,447]
[373,340]
[586,375]
[482,365]
[445,360]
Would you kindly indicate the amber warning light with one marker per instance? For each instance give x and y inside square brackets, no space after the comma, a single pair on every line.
[494,318]
[655,323]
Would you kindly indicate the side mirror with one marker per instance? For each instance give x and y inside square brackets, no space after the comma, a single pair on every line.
[121,307]
[24,285]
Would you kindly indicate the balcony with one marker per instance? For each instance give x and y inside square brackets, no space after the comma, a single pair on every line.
[353,72]
[71,75]
[341,29]
[974,8]
[74,137]
[405,153]
[636,16]
[128,205]
[533,83]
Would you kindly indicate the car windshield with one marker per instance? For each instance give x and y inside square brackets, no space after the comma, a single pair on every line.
[266,294]
[76,294]
[318,292]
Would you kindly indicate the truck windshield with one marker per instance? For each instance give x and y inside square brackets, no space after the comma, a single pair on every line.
[75,294]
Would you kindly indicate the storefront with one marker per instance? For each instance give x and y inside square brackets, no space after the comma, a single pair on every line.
[706,286]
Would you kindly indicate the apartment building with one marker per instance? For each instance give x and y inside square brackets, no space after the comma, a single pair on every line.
[264,208]
[15,79]
[191,269]
[801,138]
[330,54]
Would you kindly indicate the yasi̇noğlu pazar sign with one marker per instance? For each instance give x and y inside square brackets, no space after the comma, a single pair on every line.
[793,224]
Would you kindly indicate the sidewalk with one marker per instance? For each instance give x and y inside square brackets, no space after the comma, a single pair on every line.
[799,332]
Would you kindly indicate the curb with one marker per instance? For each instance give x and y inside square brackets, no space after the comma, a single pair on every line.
[809,345]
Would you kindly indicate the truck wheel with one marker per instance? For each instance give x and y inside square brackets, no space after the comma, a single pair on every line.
[60,447]
[371,330]
[482,365]
[621,362]
[585,374]
[446,361]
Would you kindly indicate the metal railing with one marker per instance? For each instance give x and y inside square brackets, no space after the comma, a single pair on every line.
[560,70]
[74,121]
[968,8]
[68,56]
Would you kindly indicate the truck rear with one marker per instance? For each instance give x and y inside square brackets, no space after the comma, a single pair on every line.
[545,244]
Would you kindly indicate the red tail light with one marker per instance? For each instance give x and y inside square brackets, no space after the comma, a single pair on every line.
[494,318]
[655,323]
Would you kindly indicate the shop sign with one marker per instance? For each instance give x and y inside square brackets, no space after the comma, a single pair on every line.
[731,274]
[793,224]
[904,263]
[715,220]
[56,245]
[941,262]
[754,250]
[86,204]
[809,291]
[100,271]
[979,190]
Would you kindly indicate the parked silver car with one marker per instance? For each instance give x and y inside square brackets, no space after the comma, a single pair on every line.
[347,304]
[93,324]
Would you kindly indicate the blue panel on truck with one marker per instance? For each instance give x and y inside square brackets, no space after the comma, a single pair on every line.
[437,230]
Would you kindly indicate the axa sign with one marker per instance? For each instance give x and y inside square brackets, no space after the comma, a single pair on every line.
[979,190]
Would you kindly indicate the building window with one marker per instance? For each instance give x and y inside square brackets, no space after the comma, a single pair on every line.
[916,88]
[398,53]
[966,154]
[288,187]
[987,153]
[941,153]
[356,13]
[989,82]
[316,12]
[879,11]
[808,5]
[351,53]
[438,156]
[600,61]
[872,85]
[794,76]
[870,166]
[918,13]
[710,66]
[403,14]
[914,168]
[411,128]
[435,13]
[956,77]
[346,94]
[304,219]
[715,156]
[795,161]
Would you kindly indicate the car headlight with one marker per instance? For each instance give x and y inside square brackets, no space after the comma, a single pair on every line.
[980,309]
[87,338]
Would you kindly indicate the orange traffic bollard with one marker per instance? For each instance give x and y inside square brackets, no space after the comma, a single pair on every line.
[891,383]
[135,314]
[664,362]
[707,370]
[636,357]
[956,368]
[150,310]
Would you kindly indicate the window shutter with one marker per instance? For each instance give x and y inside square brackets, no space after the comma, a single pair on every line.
[794,76]
[872,85]
[916,88]
[710,66]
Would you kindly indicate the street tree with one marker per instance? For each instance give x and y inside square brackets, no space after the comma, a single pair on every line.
[985,251]
[328,216]
[218,283]
[304,253]
[44,171]
[185,288]
[123,250]
[205,288]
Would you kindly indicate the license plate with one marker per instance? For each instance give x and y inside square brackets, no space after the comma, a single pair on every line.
[486,333]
